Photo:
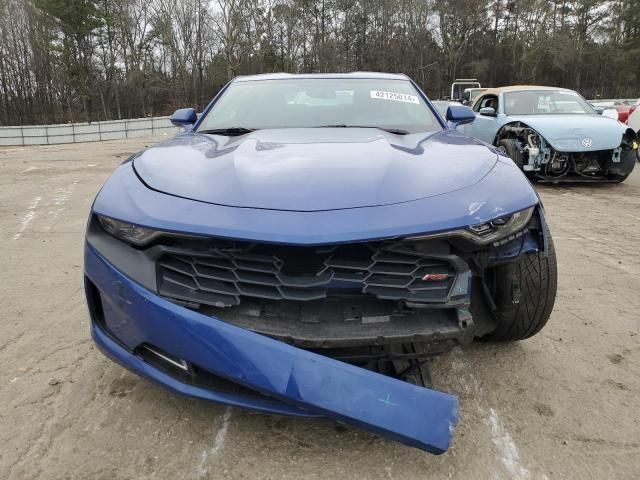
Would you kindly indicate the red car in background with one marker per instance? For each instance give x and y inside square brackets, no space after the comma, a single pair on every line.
[633,120]
[632,109]
[624,110]
[624,107]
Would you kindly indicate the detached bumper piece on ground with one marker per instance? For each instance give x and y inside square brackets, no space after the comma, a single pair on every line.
[249,369]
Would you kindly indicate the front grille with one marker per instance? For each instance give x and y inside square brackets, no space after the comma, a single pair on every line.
[226,272]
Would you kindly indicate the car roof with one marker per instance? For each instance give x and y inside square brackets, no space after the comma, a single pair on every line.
[517,88]
[285,76]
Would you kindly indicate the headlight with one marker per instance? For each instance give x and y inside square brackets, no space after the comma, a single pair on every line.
[502,229]
[127,231]
[497,231]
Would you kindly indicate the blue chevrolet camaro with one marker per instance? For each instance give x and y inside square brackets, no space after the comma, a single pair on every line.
[307,243]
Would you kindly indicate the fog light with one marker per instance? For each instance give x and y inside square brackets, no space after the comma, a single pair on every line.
[164,357]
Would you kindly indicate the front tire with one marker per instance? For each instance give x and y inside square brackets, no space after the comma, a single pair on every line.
[524,294]
[626,165]
[510,147]
[620,178]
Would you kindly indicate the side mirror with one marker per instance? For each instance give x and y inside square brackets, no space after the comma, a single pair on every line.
[184,117]
[459,115]
[488,111]
[610,113]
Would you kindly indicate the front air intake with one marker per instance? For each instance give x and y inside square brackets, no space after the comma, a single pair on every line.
[226,272]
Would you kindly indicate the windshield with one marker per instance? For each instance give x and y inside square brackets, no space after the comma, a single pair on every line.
[475,93]
[304,102]
[545,102]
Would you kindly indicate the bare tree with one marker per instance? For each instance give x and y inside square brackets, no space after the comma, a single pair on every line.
[64,60]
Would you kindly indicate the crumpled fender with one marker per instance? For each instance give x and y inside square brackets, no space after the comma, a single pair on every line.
[417,416]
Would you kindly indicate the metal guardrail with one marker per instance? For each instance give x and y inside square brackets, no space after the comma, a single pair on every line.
[85,132]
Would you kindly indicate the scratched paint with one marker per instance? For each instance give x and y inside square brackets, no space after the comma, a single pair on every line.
[387,401]
[475,207]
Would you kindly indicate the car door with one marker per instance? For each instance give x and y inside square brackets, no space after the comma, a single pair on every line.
[486,125]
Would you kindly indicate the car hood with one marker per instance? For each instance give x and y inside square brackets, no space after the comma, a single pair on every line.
[565,133]
[313,169]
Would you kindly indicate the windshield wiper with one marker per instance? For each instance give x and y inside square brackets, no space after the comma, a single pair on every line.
[229,131]
[396,131]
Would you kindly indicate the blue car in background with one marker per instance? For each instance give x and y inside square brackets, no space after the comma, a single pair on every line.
[307,243]
[554,135]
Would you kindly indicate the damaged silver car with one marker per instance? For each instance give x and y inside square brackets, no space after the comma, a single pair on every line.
[554,135]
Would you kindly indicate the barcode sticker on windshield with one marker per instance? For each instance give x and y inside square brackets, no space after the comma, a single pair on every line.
[397,97]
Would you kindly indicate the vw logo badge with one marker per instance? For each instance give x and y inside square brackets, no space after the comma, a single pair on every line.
[586,142]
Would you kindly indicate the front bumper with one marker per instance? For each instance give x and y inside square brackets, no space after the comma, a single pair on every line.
[285,379]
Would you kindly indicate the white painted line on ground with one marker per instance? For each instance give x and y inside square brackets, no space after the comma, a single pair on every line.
[59,201]
[506,448]
[218,444]
[31,212]
[503,441]
[222,432]
[29,169]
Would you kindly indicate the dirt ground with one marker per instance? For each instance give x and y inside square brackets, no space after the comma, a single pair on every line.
[565,404]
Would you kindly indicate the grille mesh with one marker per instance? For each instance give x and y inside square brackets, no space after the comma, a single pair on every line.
[224,274]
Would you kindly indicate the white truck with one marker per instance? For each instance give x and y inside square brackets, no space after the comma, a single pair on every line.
[462,86]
